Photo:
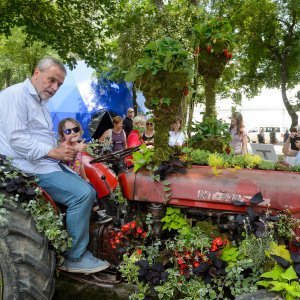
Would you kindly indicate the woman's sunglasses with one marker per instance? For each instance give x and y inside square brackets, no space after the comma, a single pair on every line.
[68,131]
[150,124]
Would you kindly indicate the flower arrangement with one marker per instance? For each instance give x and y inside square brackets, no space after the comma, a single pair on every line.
[129,237]
[205,262]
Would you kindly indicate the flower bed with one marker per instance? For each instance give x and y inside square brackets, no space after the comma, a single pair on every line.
[195,260]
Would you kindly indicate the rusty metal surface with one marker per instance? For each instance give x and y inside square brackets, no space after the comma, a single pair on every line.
[100,246]
[103,179]
[199,187]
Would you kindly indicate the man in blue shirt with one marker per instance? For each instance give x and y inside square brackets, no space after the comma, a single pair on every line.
[26,136]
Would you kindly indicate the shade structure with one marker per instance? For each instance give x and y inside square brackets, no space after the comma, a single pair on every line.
[83,94]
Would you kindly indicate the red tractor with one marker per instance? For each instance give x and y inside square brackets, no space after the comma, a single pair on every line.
[27,265]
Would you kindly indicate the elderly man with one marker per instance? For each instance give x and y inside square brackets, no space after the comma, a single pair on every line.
[127,122]
[26,136]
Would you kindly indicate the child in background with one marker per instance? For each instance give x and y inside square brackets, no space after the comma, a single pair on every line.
[70,132]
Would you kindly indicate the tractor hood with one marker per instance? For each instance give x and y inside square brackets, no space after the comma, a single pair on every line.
[232,190]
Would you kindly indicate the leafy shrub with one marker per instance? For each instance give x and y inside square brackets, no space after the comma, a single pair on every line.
[211,134]
[17,187]
[267,165]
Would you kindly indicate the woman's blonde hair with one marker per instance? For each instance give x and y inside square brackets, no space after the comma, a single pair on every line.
[138,119]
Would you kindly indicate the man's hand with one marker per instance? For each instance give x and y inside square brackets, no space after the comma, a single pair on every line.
[64,152]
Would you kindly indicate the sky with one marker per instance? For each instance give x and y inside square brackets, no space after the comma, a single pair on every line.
[267,109]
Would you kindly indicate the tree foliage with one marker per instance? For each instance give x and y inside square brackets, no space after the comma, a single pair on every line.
[17,60]
[74,28]
[269,40]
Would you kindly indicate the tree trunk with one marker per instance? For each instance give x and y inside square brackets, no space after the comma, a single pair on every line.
[210,95]
[190,116]
[288,106]
[134,97]
[8,76]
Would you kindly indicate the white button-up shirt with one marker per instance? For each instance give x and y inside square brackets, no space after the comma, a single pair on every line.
[26,133]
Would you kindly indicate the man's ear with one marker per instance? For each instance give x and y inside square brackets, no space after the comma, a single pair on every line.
[36,73]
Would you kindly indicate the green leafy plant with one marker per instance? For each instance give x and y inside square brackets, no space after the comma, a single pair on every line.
[240,278]
[175,220]
[165,54]
[197,156]
[117,196]
[267,165]
[286,225]
[143,158]
[20,189]
[162,74]
[230,254]
[49,223]
[211,134]
[282,280]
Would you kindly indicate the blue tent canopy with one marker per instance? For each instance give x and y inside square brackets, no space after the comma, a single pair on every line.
[83,94]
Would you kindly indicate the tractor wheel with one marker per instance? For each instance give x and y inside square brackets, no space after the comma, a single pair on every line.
[26,264]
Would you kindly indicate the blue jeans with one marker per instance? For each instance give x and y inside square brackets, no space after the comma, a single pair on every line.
[78,196]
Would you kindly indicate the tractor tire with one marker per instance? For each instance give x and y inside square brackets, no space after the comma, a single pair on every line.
[26,264]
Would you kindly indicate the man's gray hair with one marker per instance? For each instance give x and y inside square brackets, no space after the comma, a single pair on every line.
[48,62]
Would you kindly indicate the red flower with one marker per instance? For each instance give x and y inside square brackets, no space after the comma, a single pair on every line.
[139,230]
[196,264]
[139,251]
[218,241]
[180,261]
[132,224]
[119,234]
[187,255]
[214,248]
[144,234]
[125,227]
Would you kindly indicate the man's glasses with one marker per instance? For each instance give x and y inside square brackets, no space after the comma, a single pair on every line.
[68,131]
[150,124]
[131,111]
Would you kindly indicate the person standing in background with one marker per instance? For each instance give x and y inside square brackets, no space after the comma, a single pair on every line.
[273,139]
[238,134]
[115,136]
[286,136]
[148,136]
[127,123]
[261,136]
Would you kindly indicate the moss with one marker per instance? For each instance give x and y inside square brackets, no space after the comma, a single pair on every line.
[162,86]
